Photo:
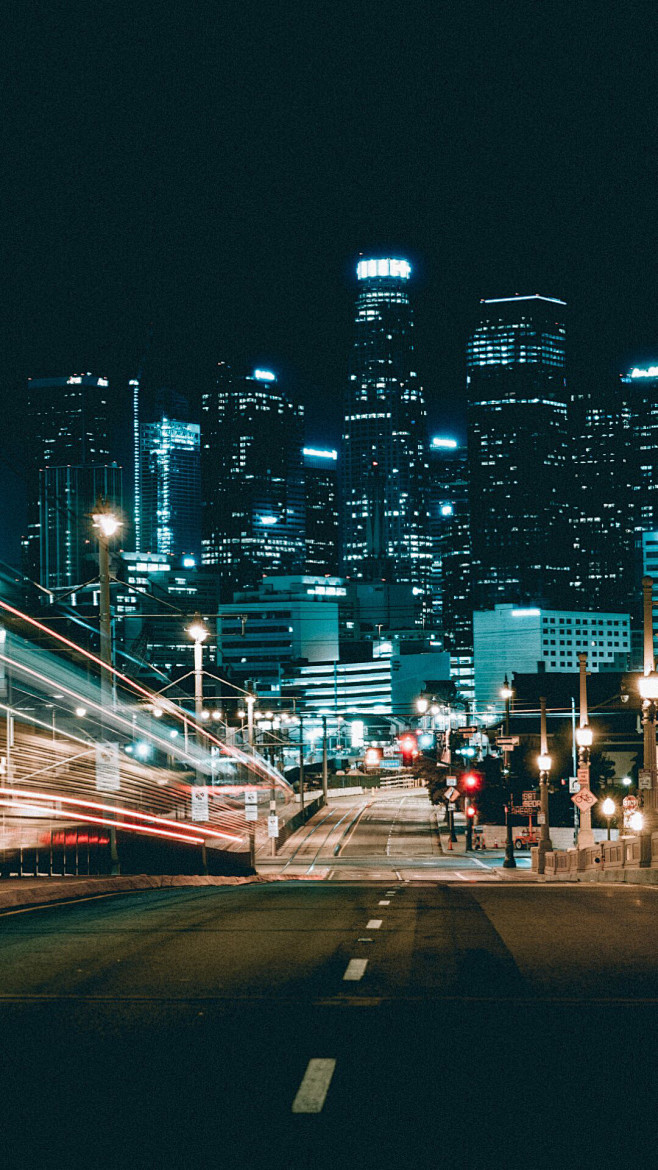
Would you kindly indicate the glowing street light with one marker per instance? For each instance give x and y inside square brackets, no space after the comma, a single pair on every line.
[421,706]
[544,761]
[81,712]
[636,822]
[584,736]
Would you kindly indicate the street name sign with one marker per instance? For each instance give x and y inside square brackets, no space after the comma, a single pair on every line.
[507,741]
[451,781]
[584,799]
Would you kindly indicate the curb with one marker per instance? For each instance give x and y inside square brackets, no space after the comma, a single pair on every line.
[45,893]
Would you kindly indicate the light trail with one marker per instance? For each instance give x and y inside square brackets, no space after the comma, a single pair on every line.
[112,824]
[110,808]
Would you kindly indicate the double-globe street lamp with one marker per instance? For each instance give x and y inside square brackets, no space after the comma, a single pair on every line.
[544,762]
[506,693]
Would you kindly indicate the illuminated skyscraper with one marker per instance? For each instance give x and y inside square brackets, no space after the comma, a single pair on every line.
[67,427]
[452,601]
[321,496]
[385,505]
[517,451]
[252,478]
[170,487]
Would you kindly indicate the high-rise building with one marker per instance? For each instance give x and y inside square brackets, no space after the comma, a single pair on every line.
[321,497]
[67,499]
[67,427]
[252,478]
[385,519]
[170,496]
[611,453]
[517,451]
[452,601]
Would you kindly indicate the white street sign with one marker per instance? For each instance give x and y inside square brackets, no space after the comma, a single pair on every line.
[451,781]
[199,804]
[273,826]
[644,778]
[251,797]
[574,785]
[541,818]
[250,812]
[107,767]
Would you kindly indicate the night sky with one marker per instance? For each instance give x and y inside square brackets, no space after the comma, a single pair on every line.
[217,169]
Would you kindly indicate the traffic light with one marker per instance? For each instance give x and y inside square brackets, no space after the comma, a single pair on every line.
[470,811]
[409,748]
[472,781]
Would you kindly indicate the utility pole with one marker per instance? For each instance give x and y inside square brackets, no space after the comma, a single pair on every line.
[544,761]
[325,770]
[510,860]
[584,741]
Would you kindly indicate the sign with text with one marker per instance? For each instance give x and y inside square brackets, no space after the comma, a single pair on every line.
[107,767]
[272,826]
[451,781]
[452,794]
[507,741]
[644,778]
[250,812]
[199,804]
[531,798]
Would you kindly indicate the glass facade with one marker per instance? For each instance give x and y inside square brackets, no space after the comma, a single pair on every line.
[252,479]
[321,495]
[170,493]
[385,516]
[68,551]
[518,449]
[451,543]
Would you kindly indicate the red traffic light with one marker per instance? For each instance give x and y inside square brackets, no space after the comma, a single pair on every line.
[471,781]
[470,811]
[408,743]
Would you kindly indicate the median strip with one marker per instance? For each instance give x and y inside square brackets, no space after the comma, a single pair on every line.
[313,1090]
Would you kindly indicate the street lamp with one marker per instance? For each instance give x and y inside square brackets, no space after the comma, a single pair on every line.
[198,631]
[648,688]
[421,706]
[107,525]
[608,809]
[584,738]
[506,693]
[544,761]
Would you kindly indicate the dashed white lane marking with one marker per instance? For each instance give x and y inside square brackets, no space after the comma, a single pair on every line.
[373,923]
[313,1090]
[384,902]
[355,969]
[365,940]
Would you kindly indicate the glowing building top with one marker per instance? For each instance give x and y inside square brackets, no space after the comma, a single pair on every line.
[367,269]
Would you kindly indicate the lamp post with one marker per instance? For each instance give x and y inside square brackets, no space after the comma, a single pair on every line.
[584,737]
[510,861]
[544,761]
[609,808]
[199,632]
[648,687]
[107,525]
[251,702]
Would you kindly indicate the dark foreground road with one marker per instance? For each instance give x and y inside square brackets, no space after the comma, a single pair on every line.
[491,1026]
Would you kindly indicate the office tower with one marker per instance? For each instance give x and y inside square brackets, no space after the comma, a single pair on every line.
[170,497]
[517,451]
[640,387]
[67,499]
[385,508]
[451,544]
[252,478]
[321,499]
[611,497]
[67,425]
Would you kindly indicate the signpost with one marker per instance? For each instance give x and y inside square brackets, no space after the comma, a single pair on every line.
[199,803]
[507,742]
[584,799]
[273,826]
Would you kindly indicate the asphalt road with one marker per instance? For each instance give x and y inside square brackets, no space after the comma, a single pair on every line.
[483,1025]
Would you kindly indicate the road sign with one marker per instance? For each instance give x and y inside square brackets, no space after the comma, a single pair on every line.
[451,781]
[541,818]
[574,784]
[584,799]
[531,798]
[273,826]
[583,775]
[199,804]
[630,803]
[507,741]
[107,767]
[644,778]
[452,794]
[466,730]
[251,797]
[251,812]
[524,810]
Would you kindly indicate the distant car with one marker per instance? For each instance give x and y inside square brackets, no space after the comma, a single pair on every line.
[526,839]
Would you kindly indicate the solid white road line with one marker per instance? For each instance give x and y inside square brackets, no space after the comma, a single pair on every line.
[373,923]
[384,902]
[355,969]
[313,1090]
